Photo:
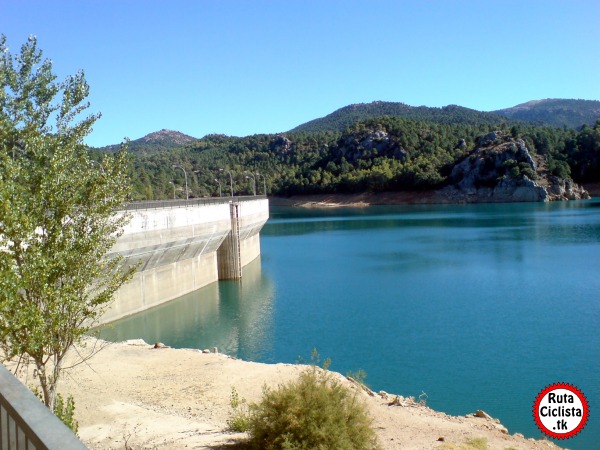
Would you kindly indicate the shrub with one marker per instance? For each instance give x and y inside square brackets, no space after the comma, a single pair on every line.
[239,420]
[359,376]
[559,168]
[527,171]
[314,412]
[66,412]
[514,172]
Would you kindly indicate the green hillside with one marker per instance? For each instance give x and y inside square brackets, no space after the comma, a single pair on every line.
[344,117]
[380,146]
[555,112]
[551,112]
[382,154]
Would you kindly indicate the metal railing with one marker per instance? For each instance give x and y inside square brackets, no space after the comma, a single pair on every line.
[26,424]
[151,204]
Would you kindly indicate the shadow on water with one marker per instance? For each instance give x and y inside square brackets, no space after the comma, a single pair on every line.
[234,316]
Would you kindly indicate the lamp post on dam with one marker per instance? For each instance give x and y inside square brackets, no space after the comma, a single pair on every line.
[187,194]
[264,183]
[253,182]
[230,179]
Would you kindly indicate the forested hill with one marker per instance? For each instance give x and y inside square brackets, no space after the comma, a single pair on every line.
[344,117]
[382,154]
[555,112]
[552,112]
[158,141]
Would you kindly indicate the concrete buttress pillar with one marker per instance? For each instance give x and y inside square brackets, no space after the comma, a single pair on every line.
[229,260]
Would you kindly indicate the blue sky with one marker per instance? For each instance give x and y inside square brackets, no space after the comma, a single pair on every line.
[266,66]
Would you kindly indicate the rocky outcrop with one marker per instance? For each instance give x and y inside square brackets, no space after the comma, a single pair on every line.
[281,145]
[501,169]
[368,143]
[561,189]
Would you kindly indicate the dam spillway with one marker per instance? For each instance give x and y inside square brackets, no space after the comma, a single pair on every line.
[181,246]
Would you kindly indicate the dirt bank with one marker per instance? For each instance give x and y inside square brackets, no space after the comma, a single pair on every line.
[132,395]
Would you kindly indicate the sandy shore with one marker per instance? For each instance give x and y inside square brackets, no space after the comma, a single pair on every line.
[381,198]
[131,395]
[362,199]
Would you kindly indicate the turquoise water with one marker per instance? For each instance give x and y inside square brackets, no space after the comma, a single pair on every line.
[478,306]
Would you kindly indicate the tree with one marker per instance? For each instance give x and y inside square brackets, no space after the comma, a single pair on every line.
[57,216]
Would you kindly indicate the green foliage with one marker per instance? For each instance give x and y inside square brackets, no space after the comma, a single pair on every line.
[583,152]
[525,169]
[66,412]
[57,219]
[314,412]
[240,418]
[559,168]
[347,116]
[478,443]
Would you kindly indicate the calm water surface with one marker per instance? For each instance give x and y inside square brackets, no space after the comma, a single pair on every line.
[478,306]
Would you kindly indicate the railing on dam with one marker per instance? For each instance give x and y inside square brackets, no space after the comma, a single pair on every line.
[26,424]
[181,246]
[152,204]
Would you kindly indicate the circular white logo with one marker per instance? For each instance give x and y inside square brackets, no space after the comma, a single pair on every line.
[560,410]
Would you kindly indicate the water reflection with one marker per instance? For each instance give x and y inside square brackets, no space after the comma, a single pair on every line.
[413,235]
[235,316]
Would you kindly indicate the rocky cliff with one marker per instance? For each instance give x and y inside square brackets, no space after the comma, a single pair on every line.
[501,169]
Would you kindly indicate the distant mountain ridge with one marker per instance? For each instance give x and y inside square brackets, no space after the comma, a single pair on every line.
[168,137]
[346,116]
[385,153]
[555,111]
[159,140]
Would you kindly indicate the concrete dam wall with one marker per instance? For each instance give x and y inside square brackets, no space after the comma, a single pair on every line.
[183,246]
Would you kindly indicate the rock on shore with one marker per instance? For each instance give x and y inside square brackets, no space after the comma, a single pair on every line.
[502,169]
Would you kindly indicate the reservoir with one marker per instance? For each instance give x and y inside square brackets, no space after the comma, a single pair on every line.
[477,306]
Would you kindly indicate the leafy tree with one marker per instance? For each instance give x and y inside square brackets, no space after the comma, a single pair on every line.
[585,154]
[559,168]
[57,216]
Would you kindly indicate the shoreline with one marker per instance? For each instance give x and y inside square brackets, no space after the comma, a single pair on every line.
[134,395]
[365,199]
[361,200]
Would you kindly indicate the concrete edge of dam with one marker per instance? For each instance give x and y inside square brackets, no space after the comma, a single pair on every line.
[181,248]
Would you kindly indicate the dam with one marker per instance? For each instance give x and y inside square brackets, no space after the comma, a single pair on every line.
[180,246]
